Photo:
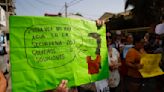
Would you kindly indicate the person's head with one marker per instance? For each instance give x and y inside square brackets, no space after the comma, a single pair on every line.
[146,37]
[118,32]
[138,42]
[118,35]
[108,34]
[163,18]
[153,43]
[129,38]
[109,41]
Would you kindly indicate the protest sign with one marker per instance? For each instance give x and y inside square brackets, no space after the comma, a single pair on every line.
[45,50]
[151,65]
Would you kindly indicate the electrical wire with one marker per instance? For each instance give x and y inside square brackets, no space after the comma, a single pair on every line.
[61,10]
[31,4]
[72,1]
[45,3]
[71,4]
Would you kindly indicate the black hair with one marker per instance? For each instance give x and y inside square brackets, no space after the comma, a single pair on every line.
[163,17]
[150,47]
[129,34]
[137,38]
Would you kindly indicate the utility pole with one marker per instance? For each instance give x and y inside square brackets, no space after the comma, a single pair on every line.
[66,6]
[7,6]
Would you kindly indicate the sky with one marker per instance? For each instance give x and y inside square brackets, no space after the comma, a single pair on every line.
[92,9]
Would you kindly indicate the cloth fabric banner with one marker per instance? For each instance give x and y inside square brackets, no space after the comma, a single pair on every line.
[45,50]
[151,65]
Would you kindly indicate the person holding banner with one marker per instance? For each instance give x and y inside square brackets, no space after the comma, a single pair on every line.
[61,88]
[152,79]
[133,56]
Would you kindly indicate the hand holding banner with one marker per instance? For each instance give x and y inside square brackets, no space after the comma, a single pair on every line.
[151,65]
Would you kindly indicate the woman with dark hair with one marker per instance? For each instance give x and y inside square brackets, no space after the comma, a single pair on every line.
[133,56]
[154,46]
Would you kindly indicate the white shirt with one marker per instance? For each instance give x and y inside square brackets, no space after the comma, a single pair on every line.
[114,78]
[159,29]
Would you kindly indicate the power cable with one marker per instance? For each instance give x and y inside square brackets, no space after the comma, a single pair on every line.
[72,1]
[71,4]
[61,10]
[45,3]
[31,4]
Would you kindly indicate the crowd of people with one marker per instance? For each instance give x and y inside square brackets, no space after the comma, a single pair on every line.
[131,47]
[124,57]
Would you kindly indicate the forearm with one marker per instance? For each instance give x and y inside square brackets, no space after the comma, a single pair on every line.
[131,65]
[3,82]
[3,88]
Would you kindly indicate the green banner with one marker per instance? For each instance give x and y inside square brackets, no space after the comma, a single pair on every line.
[45,50]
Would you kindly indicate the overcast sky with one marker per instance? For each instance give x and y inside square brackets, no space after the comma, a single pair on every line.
[92,9]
